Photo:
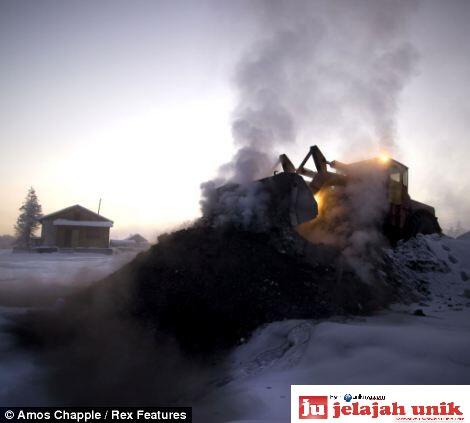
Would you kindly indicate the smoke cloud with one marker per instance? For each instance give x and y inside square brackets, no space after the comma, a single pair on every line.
[329,70]
[324,72]
[350,218]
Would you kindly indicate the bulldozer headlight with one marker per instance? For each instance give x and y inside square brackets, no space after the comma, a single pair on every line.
[384,158]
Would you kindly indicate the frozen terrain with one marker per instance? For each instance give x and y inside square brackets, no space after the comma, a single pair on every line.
[426,342]
[31,279]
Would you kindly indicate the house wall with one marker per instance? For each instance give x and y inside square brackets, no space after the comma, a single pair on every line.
[82,237]
[48,233]
[94,237]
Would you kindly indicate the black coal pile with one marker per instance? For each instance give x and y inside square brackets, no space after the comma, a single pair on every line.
[164,322]
[208,288]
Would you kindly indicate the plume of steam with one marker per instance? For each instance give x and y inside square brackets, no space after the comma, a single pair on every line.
[244,205]
[351,218]
[324,71]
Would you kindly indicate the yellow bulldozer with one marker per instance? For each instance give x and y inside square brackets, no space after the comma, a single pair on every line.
[290,197]
[403,218]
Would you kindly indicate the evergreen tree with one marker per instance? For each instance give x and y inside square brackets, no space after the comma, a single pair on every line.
[27,221]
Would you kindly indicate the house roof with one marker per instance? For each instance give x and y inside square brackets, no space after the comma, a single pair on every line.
[137,238]
[77,206]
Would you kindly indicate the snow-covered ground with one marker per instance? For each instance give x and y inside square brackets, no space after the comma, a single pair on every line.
[427,342]
[32,279]
[60,268]
[394,347]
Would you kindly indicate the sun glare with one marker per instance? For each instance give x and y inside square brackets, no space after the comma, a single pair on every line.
[384,158]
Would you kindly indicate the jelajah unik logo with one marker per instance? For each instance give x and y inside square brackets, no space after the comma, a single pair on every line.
[313,407]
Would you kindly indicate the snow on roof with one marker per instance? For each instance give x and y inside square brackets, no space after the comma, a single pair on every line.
[92,223]
[78,206]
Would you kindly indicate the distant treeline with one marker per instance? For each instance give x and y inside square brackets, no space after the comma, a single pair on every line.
[7,241]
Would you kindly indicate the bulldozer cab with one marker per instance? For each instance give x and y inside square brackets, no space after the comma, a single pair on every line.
[394,174]
[397,182]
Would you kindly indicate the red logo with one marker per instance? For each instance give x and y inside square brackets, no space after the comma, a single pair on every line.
[313,407]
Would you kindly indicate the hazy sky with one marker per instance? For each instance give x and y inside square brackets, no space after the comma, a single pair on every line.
[131,101]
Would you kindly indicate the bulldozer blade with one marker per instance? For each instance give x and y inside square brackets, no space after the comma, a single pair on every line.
[291,201]
[280,201]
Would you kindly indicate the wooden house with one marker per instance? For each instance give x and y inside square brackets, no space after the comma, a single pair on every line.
[75,227]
